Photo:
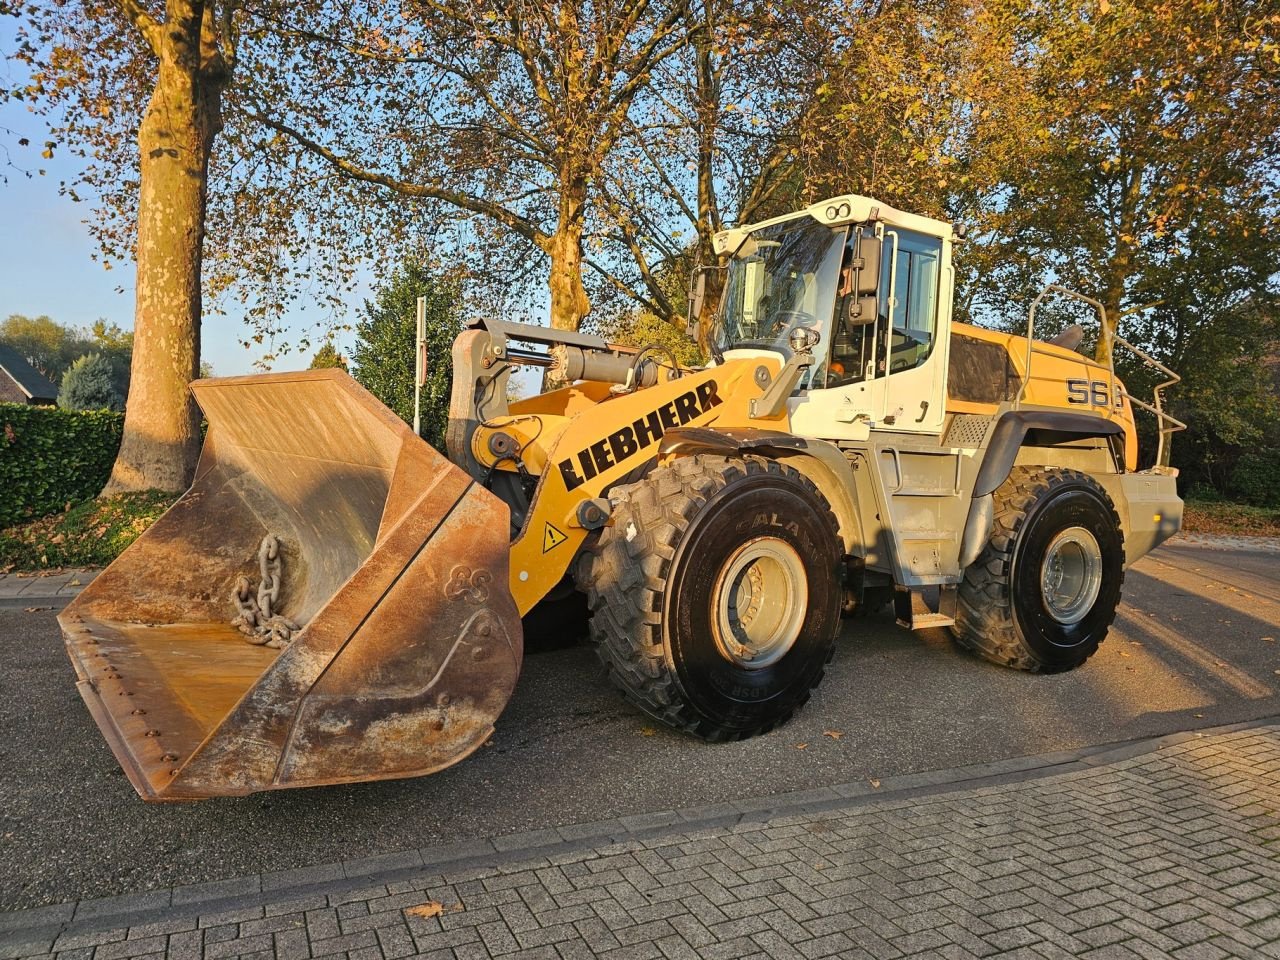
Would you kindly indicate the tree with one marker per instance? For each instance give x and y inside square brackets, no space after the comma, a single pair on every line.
[89,385]
[94,62]
[384,354]
[117,346]
[501,113]
[1153,136]
[46,344]
[328,357]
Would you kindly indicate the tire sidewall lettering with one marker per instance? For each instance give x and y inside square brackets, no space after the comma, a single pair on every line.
[1074,505]
[755,506]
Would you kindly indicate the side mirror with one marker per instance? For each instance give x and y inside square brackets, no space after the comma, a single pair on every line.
[860,311]
[867,263]
[697,295]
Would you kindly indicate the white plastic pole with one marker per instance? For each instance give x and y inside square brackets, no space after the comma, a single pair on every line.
[420,373]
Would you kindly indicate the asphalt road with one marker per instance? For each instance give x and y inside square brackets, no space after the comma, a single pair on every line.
[1188,650]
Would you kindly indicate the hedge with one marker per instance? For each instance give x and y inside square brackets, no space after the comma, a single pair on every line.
[1256,477]
[50,458]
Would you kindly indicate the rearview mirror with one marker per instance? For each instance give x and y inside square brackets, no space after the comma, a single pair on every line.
[866,263]
[697,294]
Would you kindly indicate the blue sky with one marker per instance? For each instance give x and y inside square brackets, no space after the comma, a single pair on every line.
[46,265]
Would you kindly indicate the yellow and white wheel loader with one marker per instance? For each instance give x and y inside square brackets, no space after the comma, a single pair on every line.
[335,601]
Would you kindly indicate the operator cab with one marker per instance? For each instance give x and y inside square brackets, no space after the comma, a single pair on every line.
[868,281]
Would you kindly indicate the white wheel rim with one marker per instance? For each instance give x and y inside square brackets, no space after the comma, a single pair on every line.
[760,600]
[1071,575]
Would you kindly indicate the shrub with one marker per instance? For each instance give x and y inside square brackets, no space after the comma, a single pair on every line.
[1256,477]
[89,384]
[50,458]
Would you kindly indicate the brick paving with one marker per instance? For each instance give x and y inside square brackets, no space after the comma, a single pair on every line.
[1172,850]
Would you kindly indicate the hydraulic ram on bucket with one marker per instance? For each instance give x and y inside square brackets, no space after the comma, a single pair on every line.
[392,561]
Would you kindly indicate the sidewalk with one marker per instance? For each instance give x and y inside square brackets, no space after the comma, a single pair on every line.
[36,589]
[1163,848]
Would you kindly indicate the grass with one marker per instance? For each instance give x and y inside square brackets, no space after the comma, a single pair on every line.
[90,534]
[1237,519]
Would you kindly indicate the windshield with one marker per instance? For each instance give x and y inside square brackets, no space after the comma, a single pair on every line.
[787,280]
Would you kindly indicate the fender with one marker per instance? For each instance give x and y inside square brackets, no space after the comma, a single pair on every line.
[1051,426]
[821,462]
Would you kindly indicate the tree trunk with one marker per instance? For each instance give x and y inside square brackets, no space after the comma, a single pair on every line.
[1121,265]
[162,428]
[709,109]
[569,302]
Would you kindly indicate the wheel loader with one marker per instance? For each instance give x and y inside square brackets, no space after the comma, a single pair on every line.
[334,601]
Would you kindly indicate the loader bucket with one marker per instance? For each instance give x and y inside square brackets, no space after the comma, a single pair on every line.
[394,563]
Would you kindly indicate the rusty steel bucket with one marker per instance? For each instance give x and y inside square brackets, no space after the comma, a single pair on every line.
[394,563]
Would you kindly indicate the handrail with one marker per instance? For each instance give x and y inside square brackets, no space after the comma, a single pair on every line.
[1167,424]
[1162,418]
[1031,326]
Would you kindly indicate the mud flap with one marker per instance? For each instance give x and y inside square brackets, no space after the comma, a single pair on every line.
[395,563]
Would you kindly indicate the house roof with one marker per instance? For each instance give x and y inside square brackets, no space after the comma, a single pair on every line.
[29,380]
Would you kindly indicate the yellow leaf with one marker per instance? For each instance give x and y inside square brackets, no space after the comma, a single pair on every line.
[875,783]
[833,734]
[432,908]
[647,731]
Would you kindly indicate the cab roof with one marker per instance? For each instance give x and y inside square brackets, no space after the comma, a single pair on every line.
[838,212]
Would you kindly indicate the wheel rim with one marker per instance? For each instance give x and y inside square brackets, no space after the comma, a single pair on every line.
[761,598]
[1071,575]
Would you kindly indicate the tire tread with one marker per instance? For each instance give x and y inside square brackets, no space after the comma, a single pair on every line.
[625,577]
[985,621]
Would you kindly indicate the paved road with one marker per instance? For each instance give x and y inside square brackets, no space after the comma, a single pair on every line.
[1187,651]
[1161,848]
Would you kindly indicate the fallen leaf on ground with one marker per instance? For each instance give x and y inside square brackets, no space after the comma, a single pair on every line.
[875,783]
[1198,716]
[802,746]
[35,609]
[432,908]
[1269,639]
[75,583]
[833,734]
[647,731]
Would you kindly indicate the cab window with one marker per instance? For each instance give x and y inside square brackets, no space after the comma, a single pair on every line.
[869,339]
[915,312]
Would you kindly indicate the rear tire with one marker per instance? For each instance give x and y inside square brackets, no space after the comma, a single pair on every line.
[716,594]
[1045,588]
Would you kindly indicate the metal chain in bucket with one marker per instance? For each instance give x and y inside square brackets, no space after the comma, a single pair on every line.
[256,618]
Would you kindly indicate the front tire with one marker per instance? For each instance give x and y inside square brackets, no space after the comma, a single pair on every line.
[716,592]
[1043,592]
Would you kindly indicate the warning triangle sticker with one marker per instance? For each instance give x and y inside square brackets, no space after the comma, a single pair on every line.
[552,538]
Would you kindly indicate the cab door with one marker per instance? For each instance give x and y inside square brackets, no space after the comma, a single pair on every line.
[886,361]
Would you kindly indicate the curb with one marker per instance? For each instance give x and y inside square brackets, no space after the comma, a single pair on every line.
[326,881]
[43,603]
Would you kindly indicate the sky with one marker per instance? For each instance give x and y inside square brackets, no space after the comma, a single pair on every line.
[46,265]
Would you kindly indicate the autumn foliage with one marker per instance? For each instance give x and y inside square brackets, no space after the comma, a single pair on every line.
[573,160]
